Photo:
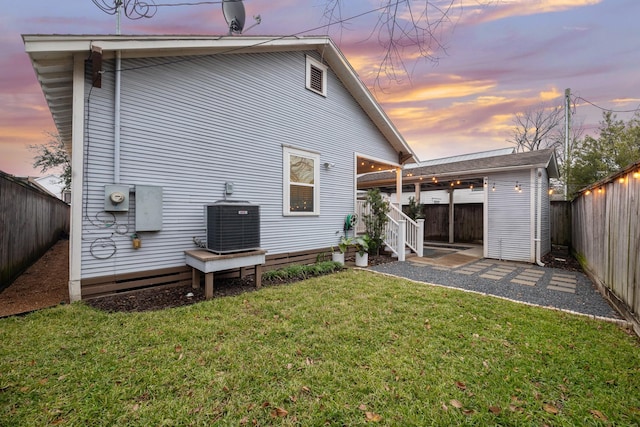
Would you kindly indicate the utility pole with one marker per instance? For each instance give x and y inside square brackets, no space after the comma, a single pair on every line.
[567,119]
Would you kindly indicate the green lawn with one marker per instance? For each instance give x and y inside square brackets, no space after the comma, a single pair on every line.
[352,348]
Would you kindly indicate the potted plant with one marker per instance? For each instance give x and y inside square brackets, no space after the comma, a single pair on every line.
[338,256]
[362,250]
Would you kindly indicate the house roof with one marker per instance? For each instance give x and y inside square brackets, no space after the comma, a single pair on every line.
[27,181]
[461,157]
[53,58]
[466,169]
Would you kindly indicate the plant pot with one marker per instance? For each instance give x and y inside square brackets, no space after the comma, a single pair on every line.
[362,260]
[338,257]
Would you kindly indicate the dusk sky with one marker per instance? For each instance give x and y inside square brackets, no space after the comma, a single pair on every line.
[500,57]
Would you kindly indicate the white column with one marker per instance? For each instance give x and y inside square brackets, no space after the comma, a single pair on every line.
[77,173]
[451,215]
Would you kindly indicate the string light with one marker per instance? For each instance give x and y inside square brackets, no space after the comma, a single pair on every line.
[493,188]
[622,180]
[636,174]
[587,192]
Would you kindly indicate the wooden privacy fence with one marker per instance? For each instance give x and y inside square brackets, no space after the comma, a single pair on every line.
[467,225]
[606,238]
[30,223]
[560,222]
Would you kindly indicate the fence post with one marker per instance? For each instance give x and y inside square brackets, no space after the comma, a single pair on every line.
[420,237]
[402,230]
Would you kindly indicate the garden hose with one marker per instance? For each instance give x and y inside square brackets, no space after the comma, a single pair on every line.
[350,221]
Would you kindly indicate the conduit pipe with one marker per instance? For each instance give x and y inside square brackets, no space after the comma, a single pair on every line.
[537,239]
[116,119]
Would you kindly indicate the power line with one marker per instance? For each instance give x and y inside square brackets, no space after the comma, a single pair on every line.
[231,50]
[198,3]
[606,109]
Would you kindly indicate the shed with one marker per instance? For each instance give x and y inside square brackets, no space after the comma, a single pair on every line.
[515,187]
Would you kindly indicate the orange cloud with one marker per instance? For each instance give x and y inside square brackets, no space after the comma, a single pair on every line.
[510,8]
[438,87]
[551,94]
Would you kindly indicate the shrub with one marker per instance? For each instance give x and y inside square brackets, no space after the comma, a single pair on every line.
[376,219]
[301,272]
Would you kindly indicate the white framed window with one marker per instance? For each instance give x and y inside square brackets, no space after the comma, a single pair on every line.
[301,182]
[316,79]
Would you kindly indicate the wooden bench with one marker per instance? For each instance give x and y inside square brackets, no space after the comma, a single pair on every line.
[201,260]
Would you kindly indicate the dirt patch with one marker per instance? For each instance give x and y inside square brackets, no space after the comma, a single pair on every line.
[559,257]
[44,284]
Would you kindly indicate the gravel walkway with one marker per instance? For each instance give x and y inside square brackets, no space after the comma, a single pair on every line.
[548,287]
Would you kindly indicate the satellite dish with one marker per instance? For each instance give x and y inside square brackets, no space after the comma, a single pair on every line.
[233,11]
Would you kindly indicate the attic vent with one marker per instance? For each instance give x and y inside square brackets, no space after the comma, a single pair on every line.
[316,79]
[316,76]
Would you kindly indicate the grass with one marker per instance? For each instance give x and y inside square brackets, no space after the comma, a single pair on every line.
[351,348]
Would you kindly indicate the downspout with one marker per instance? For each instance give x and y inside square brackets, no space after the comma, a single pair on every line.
[538,240]
[116,120]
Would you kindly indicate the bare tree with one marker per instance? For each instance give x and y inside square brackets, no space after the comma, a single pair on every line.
[406,29]
[537,128]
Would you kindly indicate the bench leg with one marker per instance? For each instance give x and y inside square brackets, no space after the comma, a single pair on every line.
[258,276]
[208,285]
[195,278]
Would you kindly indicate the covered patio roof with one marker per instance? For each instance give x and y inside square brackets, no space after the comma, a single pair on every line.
[459,174]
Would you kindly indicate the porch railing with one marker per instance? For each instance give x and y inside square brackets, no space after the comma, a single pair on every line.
[400,231]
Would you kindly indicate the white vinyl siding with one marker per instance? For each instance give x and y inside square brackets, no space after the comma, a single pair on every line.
[191,124]
[509,217]
[301,182]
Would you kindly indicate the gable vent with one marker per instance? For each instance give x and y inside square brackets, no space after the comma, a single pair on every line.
[316,79]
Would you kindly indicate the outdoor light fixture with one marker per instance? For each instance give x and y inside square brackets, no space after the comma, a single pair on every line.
[328,165]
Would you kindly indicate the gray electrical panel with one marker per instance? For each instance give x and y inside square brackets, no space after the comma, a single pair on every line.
[148,208]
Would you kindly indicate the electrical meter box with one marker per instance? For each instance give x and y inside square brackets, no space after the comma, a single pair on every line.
[116,198]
